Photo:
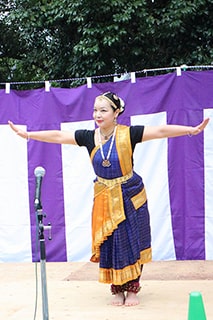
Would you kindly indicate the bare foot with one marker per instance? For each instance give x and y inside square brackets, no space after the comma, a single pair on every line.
[131,299]
[118,299]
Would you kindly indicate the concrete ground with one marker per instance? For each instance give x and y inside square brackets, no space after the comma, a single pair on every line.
[74,293]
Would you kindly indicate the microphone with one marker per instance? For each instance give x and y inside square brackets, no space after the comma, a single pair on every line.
[39,172]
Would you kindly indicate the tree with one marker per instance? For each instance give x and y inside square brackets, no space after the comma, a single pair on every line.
[63,39]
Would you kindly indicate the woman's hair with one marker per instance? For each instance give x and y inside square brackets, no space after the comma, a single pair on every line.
[115,101]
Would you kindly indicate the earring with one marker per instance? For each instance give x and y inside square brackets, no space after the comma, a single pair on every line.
[115,120]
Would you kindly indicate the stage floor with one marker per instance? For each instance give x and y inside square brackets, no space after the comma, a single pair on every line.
[74,293]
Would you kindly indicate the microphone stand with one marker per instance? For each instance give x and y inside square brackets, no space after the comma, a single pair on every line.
[41,228]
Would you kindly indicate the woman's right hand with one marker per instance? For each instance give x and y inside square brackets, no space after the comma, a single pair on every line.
[18,131]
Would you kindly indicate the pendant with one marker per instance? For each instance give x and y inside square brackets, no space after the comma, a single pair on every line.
[106,163]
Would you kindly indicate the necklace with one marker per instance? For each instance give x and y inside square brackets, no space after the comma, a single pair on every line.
[107,136]
[106,162]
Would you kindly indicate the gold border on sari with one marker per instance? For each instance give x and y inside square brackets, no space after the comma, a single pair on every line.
[125,149]
[121,276]
[139,199]
[108,212]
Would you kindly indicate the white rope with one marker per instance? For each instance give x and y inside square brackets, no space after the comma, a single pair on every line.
[183,67]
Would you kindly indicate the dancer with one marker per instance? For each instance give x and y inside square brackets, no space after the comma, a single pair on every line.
[121,237]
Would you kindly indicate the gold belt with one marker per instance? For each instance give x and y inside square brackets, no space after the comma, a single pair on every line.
[112,182]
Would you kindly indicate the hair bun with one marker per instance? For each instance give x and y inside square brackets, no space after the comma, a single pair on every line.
[116,102]
[122,105]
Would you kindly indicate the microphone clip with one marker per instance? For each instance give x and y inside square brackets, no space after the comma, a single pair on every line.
[41,226]
[40,215]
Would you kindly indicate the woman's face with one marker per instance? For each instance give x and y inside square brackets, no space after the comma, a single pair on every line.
[103,114]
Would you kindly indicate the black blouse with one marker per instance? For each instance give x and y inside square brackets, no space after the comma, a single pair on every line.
[85,137]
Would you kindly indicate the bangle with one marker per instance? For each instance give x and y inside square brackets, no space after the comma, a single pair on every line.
[189,133]
[27,137]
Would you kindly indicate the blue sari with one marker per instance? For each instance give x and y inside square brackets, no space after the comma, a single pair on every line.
[121,237]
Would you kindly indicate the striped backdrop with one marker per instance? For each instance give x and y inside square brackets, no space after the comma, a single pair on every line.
[178,172]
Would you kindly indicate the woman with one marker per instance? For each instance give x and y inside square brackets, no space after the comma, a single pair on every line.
[121,240]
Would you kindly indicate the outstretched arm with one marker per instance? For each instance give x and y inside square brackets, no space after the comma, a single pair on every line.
[169,131]
[52,136]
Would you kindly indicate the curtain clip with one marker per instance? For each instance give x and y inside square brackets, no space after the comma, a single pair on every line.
[89,82]
[7,88]
[133,77]
[47,86]
[178,71]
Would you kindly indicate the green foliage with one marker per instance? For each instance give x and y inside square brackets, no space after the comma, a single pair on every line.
[63,39]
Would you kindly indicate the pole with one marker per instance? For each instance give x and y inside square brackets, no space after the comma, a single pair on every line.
[41,227]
